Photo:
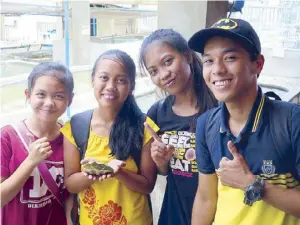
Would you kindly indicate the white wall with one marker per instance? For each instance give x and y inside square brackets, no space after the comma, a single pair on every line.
[27,27]
[185,17]
[96,49]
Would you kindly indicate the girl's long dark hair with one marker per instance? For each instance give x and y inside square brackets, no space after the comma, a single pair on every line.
[205,99]
[126,134]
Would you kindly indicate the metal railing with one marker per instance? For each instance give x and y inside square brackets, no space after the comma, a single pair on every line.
[276,25]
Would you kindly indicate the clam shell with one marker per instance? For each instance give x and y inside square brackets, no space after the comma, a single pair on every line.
[95,168]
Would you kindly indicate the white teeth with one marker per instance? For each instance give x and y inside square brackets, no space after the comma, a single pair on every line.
[109,96]
[47,111]
[222,83]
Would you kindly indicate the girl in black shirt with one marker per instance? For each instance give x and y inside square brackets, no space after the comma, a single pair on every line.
[177,70]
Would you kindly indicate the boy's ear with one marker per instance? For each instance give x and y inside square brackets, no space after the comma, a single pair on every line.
[259,64]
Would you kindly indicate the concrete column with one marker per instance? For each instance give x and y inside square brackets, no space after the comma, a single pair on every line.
[80,25]
[215,11]
[59,28]
[134,22]
[2,27]
[112,27]
[187,17]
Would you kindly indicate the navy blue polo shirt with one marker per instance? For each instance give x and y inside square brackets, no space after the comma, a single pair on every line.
[255,143]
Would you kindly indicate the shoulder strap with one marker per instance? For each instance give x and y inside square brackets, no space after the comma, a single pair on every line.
[21,131]
[80,126]
[272,94]
[212,127]
[280,120]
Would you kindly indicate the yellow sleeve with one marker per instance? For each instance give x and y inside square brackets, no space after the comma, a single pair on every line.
[147,135]
[67,132]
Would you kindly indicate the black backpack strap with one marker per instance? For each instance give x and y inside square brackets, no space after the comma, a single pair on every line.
[272,94]
[212,127]
[80,125]
[280,116]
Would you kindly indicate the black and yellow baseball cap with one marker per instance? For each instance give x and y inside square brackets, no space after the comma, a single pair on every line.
[236,29]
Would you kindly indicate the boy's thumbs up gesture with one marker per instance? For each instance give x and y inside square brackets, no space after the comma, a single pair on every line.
[235,173]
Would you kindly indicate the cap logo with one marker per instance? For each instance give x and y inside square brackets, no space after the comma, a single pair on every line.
[226,24]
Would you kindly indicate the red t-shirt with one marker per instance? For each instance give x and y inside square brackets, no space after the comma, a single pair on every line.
[34,204]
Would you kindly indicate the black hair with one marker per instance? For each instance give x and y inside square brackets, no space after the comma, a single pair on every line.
[52,69]
[253,58]
[127,131]
[253,54]
[205,99]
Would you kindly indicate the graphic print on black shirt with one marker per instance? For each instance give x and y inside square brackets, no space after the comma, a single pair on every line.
[183,162]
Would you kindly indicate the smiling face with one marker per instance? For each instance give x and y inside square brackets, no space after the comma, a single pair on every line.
[48,98]
[169,69]
[111,83]
[228,70]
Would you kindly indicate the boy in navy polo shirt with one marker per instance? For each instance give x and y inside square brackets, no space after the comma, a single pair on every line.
[247,176]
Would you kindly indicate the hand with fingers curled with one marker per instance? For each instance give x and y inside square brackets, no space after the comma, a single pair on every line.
[235,173]
[39,149]
[160,152]
[96,170]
